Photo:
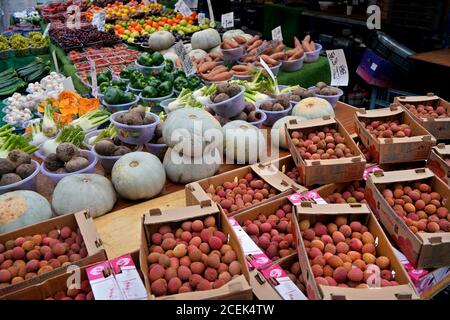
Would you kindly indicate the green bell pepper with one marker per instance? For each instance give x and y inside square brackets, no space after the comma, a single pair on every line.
[102,78]
[164,89]
[154,83]
[103,87]
[157,58]
[193,82]
[125,73]
[149,92]
[139,84]
[119,83]
[128,97]
[165,76]
[113,95]
[169,65]
[180,83]
[145,59]
[179,72]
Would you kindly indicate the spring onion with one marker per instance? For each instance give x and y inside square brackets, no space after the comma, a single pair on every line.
[16,141]
[49,127]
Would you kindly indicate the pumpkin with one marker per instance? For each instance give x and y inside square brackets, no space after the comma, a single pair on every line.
[205,39]
[197,53]
[185,128]
[138,175]
[172,56]
[77,192]
[21,208]
[217,49]
[232,33]
[278,132]
[244,142]
[161,40]
[185,169]
[312,108]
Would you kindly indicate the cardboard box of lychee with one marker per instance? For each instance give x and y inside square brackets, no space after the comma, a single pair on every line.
[430,111]
[324,152]
[392,135]
[287,166]
[349,192]
[192,253]
[439,162]
[344,254]
[38,252]
[413,206]
[242,188]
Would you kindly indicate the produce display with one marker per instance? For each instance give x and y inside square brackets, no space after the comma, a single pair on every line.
[117,10]
[15,167]
[19,43]
[67,158]
[84,293]
[33,255]
[388,129]
[194,257]
[135,116]
[352,193]
[67,38]
[9,141]
[422,209]
[324,144]
[341,252]
[272,232]
[427,111]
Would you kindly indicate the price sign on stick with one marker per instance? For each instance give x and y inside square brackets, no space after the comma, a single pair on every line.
[186,61]
[68,84]
[183,8]
[98,20]
[277,35]
[201,18]
[211,14]
[338,67]
[93,78]
[47,29]
[228,20]
[266,67]
[55,61]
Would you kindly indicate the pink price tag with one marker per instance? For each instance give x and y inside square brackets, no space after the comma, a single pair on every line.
[312,195]
[274,271]
[233,222]
[118,263]
[370,170]
[259,260]
[96,272]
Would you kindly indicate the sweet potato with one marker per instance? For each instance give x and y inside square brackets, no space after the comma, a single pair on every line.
[279,48]
[278,56]
[215,55]
[249,58]
[241,73]
[252,40]
[312,45]
[297,54]
[221,76]
[204,67]
[255,45]
[297,43]
[306,46]
[217,70]
[307,38]
[269,60]
[240,68]
[230,44]
[240,39]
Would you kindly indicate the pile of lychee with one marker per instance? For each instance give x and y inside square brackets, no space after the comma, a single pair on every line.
[422,209]
[272,233]
[295,274]
[352,193]
[340,254]
[236,195]
[388,129]
[321,145]
[30,256]
[294,174]
[365,152]
[84,293]
[422,111]
[193,257]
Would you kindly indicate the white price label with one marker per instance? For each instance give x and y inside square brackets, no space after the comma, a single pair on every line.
[93,78]
[47,29]
[228,20]
[182,8]
[68,84]
[373,66]
[338,67]
[201,18]
[99,20]
[266,45]
[277,35]
[186,61]
[211,14]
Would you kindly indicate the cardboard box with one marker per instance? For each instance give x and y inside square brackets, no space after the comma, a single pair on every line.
[359,212]
[423,250]
[195,191]
[437,163]
[439,128]
[49,287]
[237,288]
[81,220]
[428,282]
[392,150]
[276,275]
[314,172]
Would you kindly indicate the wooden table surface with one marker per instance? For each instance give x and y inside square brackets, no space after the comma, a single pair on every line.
[120,229]
[440,57]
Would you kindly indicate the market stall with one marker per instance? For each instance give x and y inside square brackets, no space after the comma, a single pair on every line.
[189,149]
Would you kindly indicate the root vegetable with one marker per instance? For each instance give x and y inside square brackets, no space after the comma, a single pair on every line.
[268,60]
[6,166]
[76,163]
[278,56]
[9,178]
[66,151]
[255,45]
[105,147]
[52,162]
[18,157]
[121,150]
[206,66]
[25,170]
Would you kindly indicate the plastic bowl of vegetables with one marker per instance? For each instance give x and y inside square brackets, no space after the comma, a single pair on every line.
[262,117]
[90,168]
[273,110]
[165,104]
[27,183]
[116,99]
[311,56]
[150,64]
[135,126]
[227,102]
[232,54]
[108,161]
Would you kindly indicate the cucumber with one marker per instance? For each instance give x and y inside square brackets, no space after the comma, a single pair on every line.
[37,75]
[7,78]
[9,82]
[7,73]
[12,89]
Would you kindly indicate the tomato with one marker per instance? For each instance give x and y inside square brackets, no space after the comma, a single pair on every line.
[191,22]
[155,25]
[164,19]
[161,23]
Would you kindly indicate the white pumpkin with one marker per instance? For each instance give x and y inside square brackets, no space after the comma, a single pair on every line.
[312,108]
[232,33]
[197,53]
[21,208]
[138,175]
[205,39]
[244,142]
[185,169]
[161,40]
[278,132]
[77,192]
[192,131]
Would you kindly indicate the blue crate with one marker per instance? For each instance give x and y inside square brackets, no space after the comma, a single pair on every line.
[377,71]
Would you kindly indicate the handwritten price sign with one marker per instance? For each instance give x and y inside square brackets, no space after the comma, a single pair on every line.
[338,67]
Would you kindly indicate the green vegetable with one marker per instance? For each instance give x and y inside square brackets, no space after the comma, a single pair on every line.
[119,83]
[169,65]
[194,82]
[103,87]
[139,84]
[108,132]
[135,75]
[149,92]
[104,76]
[91,119]
[113,95]
[179,73]
[9,90]
[71,134]
[154,83]
[126,72]
[165,89]
[157,58]
[128,97]
[145,59]
[16,141]
[180,83]
[165,76]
